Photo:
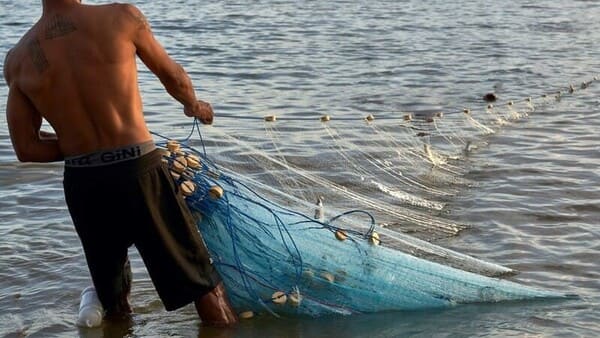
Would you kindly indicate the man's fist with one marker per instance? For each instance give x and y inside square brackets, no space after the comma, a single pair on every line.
[202,110]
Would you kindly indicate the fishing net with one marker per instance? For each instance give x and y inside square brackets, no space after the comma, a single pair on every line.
[350,230]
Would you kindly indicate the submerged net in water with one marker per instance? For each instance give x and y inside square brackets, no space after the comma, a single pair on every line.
[290,237]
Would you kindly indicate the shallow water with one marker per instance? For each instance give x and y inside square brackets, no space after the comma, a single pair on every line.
[534,205]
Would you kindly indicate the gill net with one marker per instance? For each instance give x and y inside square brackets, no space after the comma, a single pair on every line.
[300,221]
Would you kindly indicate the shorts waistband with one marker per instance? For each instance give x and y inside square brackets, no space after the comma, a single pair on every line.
[110,156]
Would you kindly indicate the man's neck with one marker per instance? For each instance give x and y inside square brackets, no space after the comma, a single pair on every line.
[49,5]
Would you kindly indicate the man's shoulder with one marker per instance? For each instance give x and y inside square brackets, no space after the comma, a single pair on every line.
[123,13]
[110,10]
[13,58]
[121,8]
[6,65]
[19,52]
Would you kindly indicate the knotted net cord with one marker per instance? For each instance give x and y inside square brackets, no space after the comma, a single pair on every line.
[345,262]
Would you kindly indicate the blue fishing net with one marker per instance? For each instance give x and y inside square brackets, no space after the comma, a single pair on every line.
[277,260]
[278,253]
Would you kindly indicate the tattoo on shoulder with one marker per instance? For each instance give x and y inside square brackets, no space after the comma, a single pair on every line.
[36,53]
[59,26]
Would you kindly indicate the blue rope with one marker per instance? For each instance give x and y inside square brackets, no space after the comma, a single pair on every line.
[236,232]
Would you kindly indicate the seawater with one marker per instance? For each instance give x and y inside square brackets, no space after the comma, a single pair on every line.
[535,207]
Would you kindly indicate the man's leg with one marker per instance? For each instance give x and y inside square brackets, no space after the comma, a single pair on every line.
[105,237]
[214,308]
[121,306]
[113,285]
[108,263]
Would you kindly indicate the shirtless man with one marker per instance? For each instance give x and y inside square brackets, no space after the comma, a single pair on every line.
[76,68]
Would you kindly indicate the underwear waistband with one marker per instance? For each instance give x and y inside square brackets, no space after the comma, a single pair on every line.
[110,156]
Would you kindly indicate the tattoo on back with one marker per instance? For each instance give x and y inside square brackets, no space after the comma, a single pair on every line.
[36,53]
[59,26]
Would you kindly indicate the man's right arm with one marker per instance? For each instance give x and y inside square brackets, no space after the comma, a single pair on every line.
[24,122]
[176,81]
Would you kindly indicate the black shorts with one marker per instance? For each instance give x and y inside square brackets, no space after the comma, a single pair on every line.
[136,202]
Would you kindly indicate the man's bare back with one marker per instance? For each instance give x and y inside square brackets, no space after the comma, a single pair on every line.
[76,68]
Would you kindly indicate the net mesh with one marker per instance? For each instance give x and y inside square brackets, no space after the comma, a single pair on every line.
[350,230]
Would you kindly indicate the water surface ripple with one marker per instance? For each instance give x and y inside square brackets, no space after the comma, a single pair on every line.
[534,205]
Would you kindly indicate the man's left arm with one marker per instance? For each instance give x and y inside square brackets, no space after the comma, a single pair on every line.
[24,122]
